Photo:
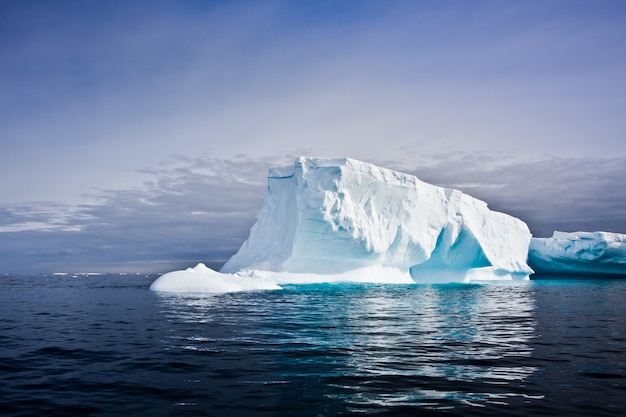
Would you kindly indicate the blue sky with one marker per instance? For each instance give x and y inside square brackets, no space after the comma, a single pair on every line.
[137,135]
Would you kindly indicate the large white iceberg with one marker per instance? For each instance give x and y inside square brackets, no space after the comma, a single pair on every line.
[329,220]
[579,253]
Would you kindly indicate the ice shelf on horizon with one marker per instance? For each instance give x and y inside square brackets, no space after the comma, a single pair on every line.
[579,253]
[327,220]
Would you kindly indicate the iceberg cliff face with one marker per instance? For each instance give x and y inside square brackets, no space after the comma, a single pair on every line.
[332,216]
[579,252]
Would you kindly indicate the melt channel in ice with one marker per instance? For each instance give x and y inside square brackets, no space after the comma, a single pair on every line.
[326,220]
[579,253]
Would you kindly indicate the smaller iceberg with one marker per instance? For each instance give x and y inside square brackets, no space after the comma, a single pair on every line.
[579,253]
[204,279]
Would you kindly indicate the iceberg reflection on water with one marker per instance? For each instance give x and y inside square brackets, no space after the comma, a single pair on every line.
[357,347]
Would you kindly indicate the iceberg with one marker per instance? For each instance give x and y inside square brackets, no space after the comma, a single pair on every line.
[579,253]
[204,279]
[328,220]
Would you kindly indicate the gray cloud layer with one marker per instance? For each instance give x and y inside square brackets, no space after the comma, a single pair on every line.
[551,194]
[198,210]
[201,209]
[98,87]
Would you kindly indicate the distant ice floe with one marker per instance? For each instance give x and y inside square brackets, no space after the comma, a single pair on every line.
[331,220]
[579,253]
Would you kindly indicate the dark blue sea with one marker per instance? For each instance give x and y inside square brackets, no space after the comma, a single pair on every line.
[104,345]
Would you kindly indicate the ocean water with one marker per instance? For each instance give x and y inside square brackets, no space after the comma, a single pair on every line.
[105,345]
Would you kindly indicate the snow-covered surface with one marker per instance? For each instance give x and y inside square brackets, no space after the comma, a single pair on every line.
[328,220]
[203,279]
[579,252]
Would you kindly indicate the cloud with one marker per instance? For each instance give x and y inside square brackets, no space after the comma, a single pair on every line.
[567,194]
[100,87]
[188,210]
[201,209]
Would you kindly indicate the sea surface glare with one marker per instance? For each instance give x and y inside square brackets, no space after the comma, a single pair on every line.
[107,346]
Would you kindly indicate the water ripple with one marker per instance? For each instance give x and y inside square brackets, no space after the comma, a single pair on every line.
[377,345]
[107,346]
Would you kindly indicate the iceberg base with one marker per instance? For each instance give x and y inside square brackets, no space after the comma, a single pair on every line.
[201,279]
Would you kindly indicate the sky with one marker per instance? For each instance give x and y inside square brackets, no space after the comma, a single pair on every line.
[135,136]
